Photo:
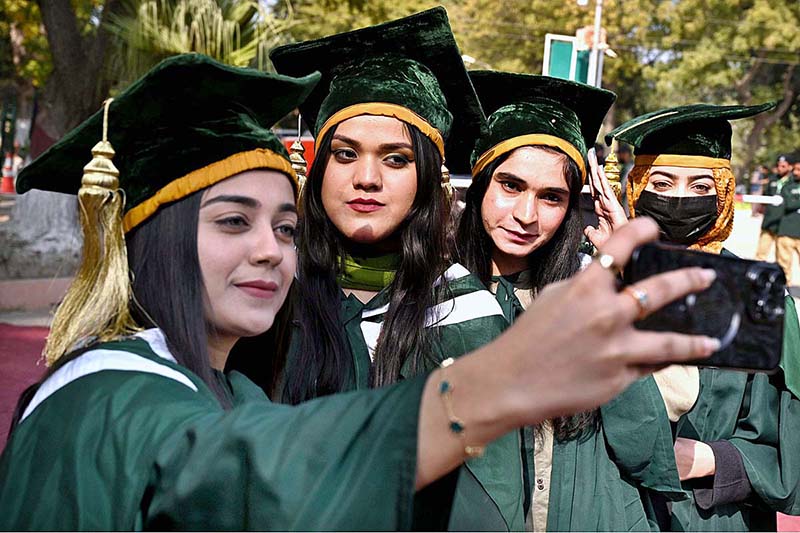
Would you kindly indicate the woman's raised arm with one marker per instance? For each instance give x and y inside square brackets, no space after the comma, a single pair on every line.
[575,349]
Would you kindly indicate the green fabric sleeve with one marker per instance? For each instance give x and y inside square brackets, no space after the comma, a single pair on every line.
[125,450]
[639,435]
[790,358]
[768,437]
[341,462]
[767,432]
[489,493]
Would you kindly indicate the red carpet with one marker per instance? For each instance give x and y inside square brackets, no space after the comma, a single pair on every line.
[20,348]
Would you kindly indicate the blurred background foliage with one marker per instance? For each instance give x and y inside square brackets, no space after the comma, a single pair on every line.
[70,53]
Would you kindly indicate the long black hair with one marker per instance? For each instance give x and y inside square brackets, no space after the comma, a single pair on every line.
[556,260]
[168,293]
[324,363]
[168,286]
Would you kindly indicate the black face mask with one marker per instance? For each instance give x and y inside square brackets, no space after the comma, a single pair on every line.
[682,219]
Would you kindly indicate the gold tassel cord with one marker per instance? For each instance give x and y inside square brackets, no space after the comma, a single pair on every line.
[96,307]
[449,191]
[299,164]
[612,170]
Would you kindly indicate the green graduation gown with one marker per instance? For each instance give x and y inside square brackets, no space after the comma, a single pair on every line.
[599,480]
[489,492]
[790,222]
[773,213]
[760,416]
[124,438]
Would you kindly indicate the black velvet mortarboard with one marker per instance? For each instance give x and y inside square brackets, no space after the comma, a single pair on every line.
[697,130]
[523,104]
[187,115]
[412,62]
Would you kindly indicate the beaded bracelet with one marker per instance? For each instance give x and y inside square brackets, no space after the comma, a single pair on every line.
[456,424]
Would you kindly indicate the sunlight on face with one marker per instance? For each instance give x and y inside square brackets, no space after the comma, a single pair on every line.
[371,179]
[680,181]
[524,205]
[245,243]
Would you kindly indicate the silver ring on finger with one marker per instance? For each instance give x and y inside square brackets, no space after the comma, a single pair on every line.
[641,299]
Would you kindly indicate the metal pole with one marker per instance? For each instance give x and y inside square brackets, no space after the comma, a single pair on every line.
[592,77]
[599,77]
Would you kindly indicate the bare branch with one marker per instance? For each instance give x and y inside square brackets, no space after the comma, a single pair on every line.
[790,93]
[743,85]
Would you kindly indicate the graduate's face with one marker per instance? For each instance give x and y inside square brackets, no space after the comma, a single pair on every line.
[245,243]
[371,178]
[680,181]
[524,205]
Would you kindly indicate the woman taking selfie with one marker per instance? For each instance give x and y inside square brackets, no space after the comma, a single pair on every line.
[135,427]
[737,433]
[380,298]
[520,230]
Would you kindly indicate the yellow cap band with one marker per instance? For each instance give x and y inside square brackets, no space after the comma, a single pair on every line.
[205,177]
[533,139]
[384,109]
[677,160]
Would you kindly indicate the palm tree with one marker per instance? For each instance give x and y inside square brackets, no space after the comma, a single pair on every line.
[236,32]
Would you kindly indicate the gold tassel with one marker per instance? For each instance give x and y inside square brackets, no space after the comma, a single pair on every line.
[612,171]
[299,164]
[449,192]
[96,306]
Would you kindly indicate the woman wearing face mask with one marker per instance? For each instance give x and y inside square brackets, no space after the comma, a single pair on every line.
[734,430]
[380,299]
[135,428]
[520,230]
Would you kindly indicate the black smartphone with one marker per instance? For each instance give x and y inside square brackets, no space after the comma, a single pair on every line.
[744,308]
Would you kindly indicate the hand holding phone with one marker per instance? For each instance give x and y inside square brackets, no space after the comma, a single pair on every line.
[743,308]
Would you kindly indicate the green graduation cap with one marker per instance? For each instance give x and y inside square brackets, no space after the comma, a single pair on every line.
[185,125]
[698,130]
[408,68]
[525,109]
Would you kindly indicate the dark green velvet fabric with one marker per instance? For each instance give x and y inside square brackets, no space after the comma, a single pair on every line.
[697,129]
[187,112]
[413,62]
[393,79]
[523,104]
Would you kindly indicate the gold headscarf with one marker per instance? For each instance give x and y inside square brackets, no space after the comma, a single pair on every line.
[724,182]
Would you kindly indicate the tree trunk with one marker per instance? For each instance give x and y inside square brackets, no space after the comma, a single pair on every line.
[42,238]
[765,120]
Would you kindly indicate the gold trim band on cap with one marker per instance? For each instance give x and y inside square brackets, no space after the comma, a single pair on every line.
[677,160]
[384,109]
[205,177]
[532,139]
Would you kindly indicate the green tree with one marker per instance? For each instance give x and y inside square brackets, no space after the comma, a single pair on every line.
[734,51]
[78,51]
[318,18]
[235,32]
